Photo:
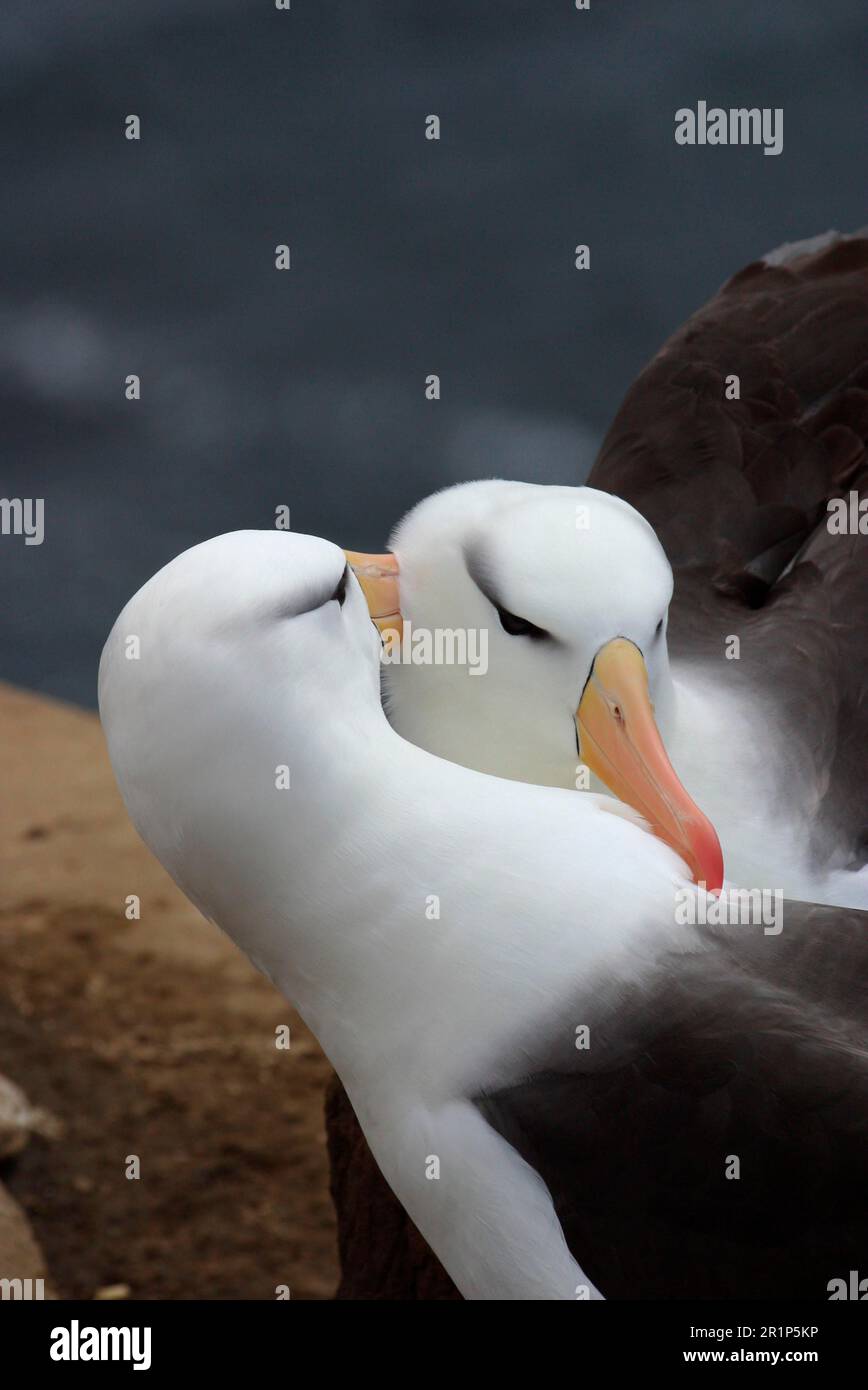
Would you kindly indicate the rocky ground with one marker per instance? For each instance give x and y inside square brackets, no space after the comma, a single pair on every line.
[151,1039]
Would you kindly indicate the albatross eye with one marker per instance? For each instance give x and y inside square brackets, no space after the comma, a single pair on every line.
[659,628]
[340,592]
[518,627]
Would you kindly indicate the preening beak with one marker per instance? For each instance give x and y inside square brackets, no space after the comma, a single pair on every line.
[378,577]
[620,742]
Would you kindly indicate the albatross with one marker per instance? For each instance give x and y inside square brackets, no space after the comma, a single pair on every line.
[572,1093]
[763,703]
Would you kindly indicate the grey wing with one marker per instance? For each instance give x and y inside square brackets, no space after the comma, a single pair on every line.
[737,491]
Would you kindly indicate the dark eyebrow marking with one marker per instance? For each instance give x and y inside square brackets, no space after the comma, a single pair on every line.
[340,592]
[310,599]
[477,570]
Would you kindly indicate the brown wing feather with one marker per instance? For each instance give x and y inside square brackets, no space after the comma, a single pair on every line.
[752,1050]
[725,482]
[737,491]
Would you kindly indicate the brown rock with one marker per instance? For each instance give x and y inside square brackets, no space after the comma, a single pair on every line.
[19,1119]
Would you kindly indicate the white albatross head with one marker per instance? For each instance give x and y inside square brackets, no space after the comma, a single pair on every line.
[572,588]
[219,673]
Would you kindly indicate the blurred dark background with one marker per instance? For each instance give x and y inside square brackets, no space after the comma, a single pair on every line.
[409,257]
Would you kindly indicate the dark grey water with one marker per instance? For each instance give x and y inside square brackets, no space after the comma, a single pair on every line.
[408,256]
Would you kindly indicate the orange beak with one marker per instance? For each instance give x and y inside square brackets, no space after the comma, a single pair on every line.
[378,577]
[620,742]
